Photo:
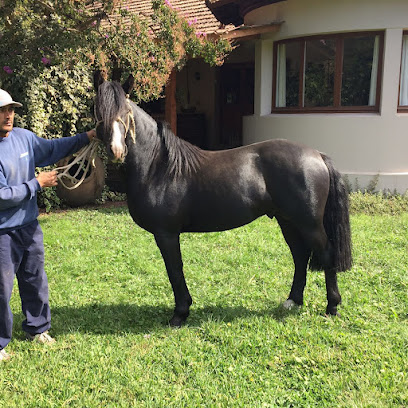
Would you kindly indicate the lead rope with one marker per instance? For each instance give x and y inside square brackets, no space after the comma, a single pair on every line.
[83,159]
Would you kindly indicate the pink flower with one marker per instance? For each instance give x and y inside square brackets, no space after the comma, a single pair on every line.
[168,3]
[94,23]
[45,60]
[106,35]
[191,22]
[8,69]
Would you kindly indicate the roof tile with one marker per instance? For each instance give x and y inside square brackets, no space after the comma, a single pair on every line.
[194,10]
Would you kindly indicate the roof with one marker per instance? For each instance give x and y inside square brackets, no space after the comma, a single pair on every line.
[193,10]
[206,14]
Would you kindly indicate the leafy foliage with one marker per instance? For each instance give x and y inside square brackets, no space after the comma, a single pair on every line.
[49,48]
[86,33]
[378,204]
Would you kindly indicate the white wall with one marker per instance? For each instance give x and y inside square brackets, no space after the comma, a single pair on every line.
[362,145]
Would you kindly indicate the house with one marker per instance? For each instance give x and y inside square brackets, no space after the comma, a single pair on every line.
[334,77]
[329,74]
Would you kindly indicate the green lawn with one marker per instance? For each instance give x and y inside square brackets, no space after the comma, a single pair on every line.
[111,300]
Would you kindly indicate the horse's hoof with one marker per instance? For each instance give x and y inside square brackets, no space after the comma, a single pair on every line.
[176,321]
[332,311]
[289,304]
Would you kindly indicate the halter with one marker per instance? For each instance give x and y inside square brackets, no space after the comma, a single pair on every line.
[130,126]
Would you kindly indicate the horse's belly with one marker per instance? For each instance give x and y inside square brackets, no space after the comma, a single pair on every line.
[218,216]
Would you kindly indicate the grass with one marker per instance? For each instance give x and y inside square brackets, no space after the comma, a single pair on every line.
[111,299]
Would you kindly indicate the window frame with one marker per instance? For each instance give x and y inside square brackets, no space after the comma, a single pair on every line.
[401,108]
[336,108]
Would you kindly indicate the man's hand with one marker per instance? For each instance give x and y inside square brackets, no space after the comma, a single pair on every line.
[91,134]
[47,178]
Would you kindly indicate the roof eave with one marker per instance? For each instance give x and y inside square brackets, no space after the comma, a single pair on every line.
[234,11]
[248,32]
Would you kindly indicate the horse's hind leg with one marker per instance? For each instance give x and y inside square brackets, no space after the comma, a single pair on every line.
[301,246]
[301,254]
[333,294]
[169,245]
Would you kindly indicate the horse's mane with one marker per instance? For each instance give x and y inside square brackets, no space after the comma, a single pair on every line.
[182,156]
[111,102]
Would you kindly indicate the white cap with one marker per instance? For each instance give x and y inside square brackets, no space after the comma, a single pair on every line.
[6,99]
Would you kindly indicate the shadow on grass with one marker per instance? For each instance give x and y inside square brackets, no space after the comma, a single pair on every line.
[116,318]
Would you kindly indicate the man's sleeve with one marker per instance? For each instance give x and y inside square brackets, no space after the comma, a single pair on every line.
[47,152]
[15,195]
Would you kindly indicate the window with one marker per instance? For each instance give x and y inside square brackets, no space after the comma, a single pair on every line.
[333,73]
[403,94]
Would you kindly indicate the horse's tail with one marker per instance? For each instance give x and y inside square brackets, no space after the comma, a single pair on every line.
[337,225]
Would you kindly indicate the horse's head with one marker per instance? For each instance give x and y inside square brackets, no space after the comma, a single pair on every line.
[114,115]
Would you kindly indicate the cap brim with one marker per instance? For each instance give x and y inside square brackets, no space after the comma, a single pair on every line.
[15,104]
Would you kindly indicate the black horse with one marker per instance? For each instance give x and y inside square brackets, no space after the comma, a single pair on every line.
[175,187]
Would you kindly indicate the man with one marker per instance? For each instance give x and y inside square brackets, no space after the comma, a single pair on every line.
[21,239]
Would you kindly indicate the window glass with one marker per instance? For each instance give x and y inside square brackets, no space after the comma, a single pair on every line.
[357,71]
[333,72]
[319,72]
[288,69]
[403,99]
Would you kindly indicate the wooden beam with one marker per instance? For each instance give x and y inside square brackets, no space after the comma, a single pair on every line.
[249,31]
[170,103]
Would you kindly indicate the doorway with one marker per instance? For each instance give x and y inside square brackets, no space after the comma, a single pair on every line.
[236,101]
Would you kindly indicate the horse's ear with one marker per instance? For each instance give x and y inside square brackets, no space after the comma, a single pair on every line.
[99,78]
[116,74]
[129,85]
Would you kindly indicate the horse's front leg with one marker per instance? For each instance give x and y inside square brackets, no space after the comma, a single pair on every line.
[169,245]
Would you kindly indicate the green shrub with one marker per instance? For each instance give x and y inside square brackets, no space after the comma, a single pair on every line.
[378,203]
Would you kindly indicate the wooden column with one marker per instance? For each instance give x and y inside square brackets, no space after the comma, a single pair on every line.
[170,103]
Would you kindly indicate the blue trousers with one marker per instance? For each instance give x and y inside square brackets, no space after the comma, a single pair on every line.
[22,255]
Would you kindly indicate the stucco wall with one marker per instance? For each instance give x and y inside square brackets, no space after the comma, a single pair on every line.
[362,145]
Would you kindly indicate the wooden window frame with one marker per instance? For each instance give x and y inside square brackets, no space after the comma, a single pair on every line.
[401,108]
[336,108]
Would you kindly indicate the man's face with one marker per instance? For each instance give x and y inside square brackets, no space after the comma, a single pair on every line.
[6,120]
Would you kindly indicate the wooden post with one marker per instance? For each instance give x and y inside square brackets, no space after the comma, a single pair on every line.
[170,103]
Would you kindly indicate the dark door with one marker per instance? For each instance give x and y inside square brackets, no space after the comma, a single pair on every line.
[237,100]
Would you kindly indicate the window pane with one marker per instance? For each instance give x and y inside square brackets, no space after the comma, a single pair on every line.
[403,100]
[288,68]
[358,68]
[319,72]
[292,74]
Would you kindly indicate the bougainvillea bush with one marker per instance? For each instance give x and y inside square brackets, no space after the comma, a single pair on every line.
[49,49]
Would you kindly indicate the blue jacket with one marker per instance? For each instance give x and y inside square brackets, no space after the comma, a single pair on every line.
[20,153]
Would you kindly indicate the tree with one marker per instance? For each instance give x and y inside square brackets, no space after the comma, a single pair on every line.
[48,49]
